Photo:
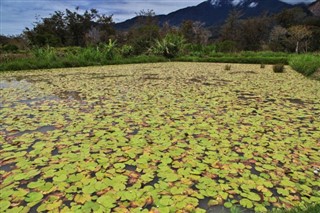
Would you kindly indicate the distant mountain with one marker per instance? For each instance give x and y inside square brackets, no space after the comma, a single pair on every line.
[315,8]
[214,12]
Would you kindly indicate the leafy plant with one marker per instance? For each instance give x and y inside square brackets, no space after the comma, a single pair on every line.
[170,46]
[109,50]
[126,51]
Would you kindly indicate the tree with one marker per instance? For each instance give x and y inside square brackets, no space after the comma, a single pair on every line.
[230,29]
[278,39]
[195,32]
[291,17]
[71,28]
[298,34]
[144,33]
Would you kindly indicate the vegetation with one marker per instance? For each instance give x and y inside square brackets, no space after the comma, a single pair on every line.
[227,67]
[161,137]
[306,64]
[140,138]
[170,46]
[278,68]
[71,38]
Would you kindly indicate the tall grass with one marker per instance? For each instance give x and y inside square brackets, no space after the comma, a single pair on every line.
[306,64]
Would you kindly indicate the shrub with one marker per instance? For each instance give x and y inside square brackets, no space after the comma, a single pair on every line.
[170,46]
[226,46]
[227,67]
[126,51]
[10,48]
[278,68]
[48,54]
[109,50]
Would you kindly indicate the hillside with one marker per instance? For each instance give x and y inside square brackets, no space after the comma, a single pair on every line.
[315,8]
[214,12]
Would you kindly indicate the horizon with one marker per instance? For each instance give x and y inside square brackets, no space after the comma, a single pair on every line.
[16,15]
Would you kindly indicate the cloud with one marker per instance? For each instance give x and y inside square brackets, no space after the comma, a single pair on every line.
[15,15]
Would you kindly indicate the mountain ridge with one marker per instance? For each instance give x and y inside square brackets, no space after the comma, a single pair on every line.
[215,12]
[315,8]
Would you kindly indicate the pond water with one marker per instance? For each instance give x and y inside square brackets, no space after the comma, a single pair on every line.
[158,137]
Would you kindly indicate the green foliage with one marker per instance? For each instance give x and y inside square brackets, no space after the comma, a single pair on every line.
[278,68]
[48,54]
[235,59]
[109,50]
[126,51]
[9,48]
[95,158]
[71,28]
[226,46]
[306,64]
[170,46]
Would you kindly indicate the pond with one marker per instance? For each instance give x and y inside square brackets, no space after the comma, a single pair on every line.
[163,137]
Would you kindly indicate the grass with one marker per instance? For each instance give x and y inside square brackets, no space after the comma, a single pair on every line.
[43,63]
[235,59]
[306,64]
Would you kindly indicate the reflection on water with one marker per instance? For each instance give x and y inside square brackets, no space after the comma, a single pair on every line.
[70,95]
[27,83]
[13,83]
[7,167]
[46,98]
[43,129]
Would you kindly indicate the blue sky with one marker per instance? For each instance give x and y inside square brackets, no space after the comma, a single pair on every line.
[15,15]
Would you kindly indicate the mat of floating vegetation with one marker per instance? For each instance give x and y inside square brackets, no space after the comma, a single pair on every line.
[121,142]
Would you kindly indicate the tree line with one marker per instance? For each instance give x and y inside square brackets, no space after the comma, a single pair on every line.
[293,30]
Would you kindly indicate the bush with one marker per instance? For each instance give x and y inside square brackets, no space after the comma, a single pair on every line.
[10,48]
[227,67]
[109,51]
[226,46]
[126,51]
[306,64]
[47,54]
[278,68]
[170,46]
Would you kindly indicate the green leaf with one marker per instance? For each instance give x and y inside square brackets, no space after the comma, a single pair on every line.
[20,176]
[33,197]
[107,201]
[166,201]
[60,178]
[246,203]
[228,205]
[37,184]
[4,204]
[253,196]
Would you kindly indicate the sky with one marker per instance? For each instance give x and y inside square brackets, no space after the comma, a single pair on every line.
[16,15]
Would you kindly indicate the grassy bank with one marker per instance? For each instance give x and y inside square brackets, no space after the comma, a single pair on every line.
[306,64]
[77,57]
[36,63]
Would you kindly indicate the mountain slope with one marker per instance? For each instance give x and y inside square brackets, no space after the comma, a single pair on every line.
[315,8]
[214,12]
